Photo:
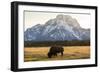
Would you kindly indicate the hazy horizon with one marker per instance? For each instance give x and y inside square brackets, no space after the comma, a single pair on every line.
[34,18]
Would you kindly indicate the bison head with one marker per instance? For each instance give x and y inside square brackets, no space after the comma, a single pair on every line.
[49,55]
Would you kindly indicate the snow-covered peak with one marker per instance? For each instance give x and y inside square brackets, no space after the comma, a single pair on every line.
[67,19]
[63,27]
[63,17]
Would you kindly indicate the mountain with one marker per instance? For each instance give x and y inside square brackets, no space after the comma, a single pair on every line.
[61,28]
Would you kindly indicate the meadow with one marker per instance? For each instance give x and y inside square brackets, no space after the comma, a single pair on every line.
[70,53]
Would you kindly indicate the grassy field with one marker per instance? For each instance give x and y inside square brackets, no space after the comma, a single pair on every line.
[70,53]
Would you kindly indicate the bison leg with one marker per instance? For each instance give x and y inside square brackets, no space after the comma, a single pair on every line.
[55,54]
[61,53]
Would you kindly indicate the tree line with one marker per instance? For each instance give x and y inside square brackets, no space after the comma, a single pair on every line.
[61,43]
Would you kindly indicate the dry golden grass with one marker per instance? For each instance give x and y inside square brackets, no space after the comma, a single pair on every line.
[70,52]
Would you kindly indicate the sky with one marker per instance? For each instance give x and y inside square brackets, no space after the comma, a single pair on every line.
[33,18]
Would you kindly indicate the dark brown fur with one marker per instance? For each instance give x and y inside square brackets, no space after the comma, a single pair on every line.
[55,50]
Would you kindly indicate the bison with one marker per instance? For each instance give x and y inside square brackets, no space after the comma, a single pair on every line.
[54,50]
